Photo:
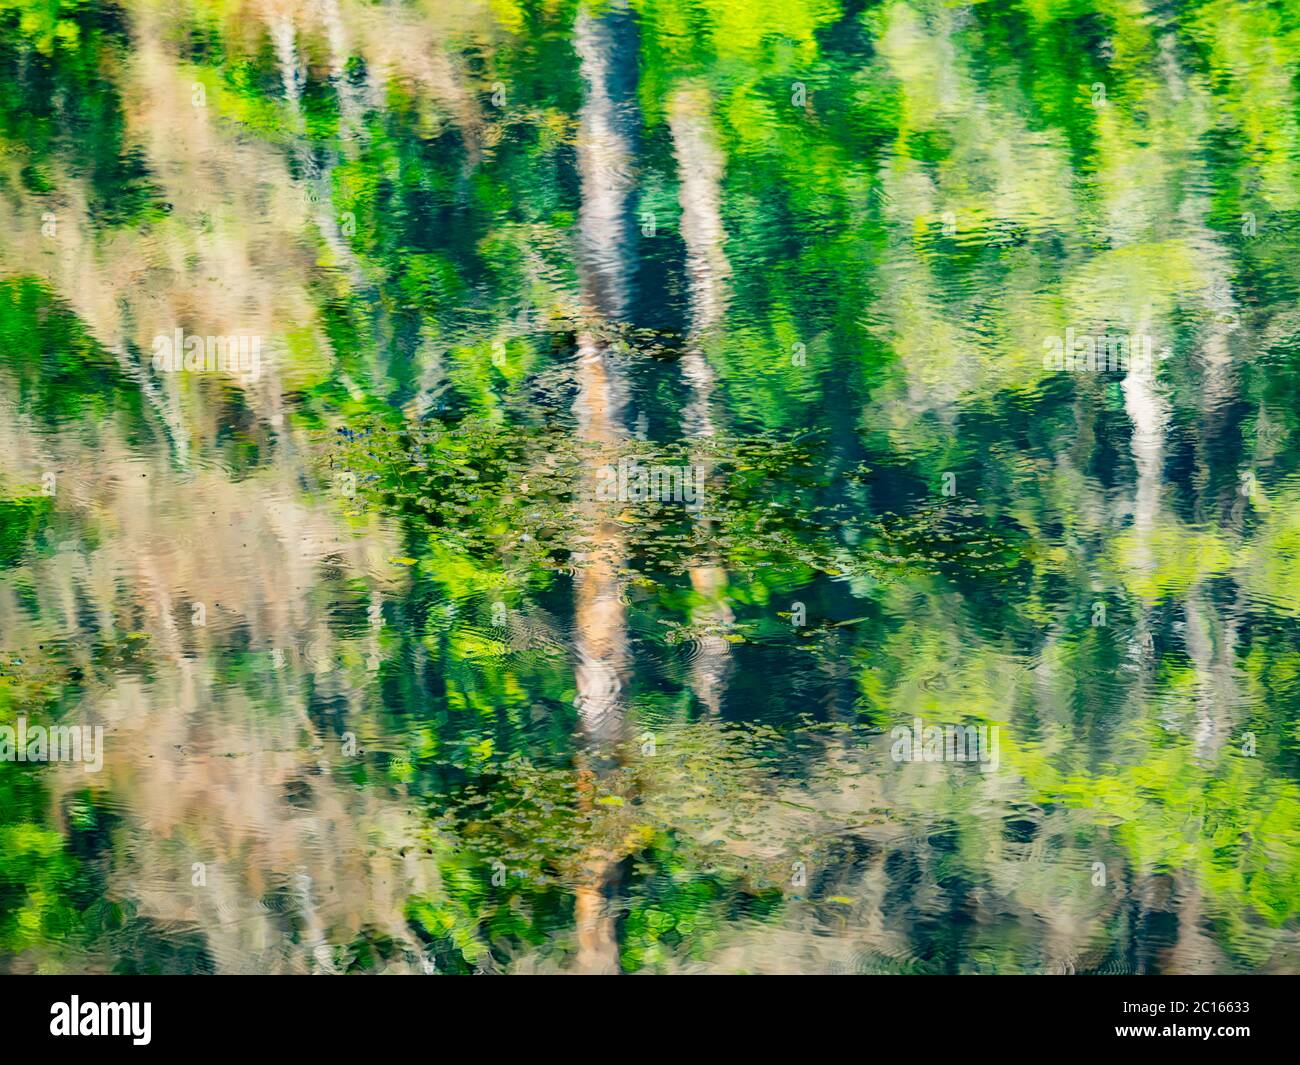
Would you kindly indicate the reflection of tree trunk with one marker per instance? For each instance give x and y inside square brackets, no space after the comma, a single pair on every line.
[351,106]
[1147,411]
[317,183]
[606,46]
[1212,634]
[1148,414]
[700,165]
[600,629]
[600,623]
[1211,645]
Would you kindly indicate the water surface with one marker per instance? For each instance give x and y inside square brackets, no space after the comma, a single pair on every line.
[654,417]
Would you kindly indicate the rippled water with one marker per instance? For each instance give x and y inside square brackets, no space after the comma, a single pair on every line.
[654,418]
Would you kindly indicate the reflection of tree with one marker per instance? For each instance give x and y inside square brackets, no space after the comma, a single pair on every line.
[600,626]
[699,164]
[947,197]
